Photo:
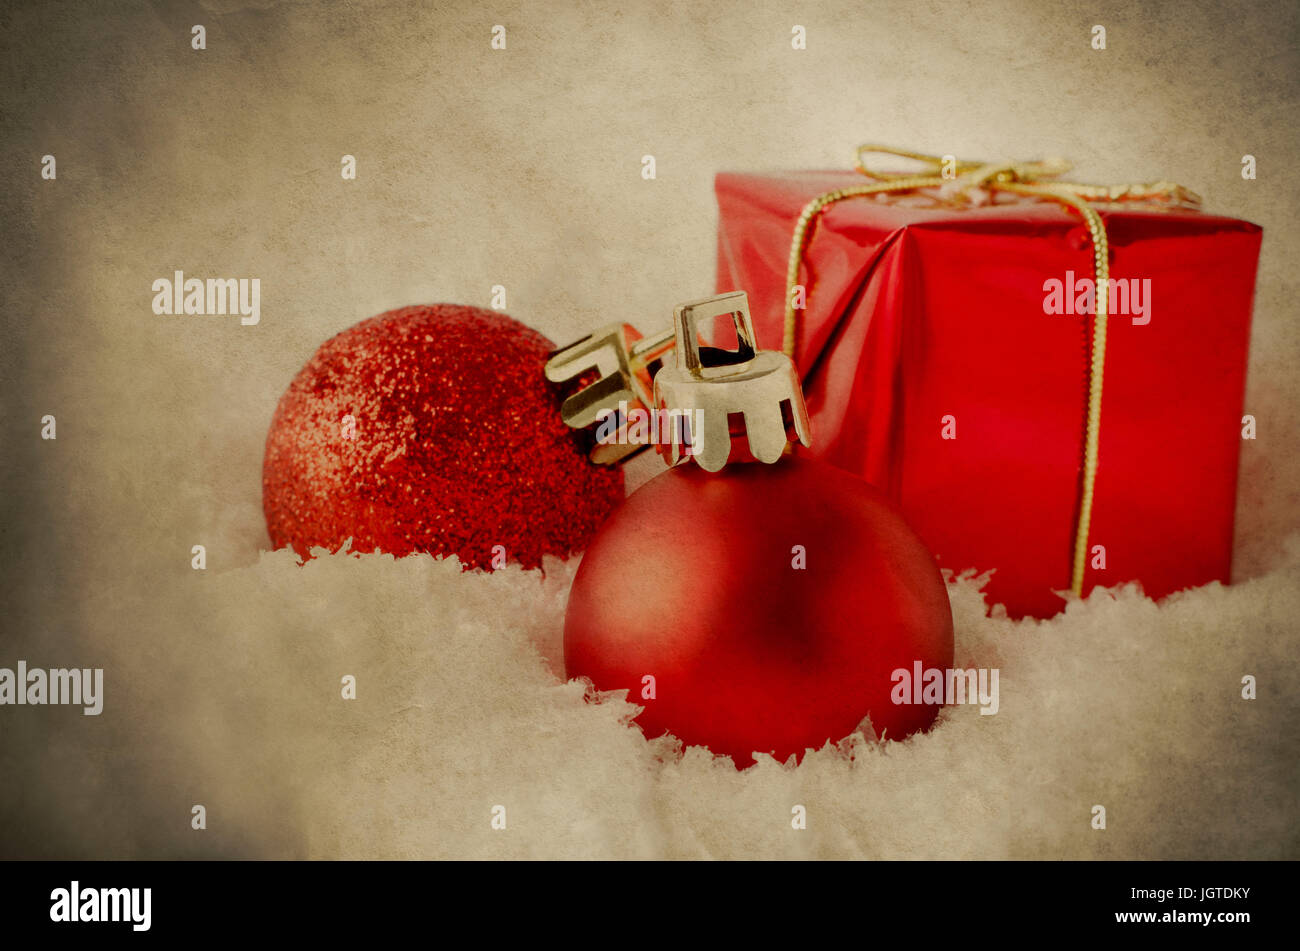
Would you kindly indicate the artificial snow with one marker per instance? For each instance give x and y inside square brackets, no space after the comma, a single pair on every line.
[460,708]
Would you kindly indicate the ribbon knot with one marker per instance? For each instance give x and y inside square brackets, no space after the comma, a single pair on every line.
[965,182]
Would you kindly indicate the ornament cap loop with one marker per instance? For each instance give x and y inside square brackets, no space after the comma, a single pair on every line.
[746,396]
[623,362]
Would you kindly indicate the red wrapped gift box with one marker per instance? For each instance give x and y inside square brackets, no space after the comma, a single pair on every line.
[924,316]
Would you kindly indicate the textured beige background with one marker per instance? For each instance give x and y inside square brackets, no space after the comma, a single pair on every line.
[522,168]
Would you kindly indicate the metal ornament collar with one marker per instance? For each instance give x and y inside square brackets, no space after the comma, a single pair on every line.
[624,363]
[747,397]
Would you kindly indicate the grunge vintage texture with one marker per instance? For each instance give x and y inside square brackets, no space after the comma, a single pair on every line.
[522,168]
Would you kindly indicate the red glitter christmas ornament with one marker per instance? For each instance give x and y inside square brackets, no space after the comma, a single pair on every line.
[767,607]
[432,429]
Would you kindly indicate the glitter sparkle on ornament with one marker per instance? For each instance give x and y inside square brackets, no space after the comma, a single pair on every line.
[432,429]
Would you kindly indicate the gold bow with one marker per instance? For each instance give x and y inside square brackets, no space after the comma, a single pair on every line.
[971,182]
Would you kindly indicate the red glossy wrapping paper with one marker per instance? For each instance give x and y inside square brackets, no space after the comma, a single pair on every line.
[918,310]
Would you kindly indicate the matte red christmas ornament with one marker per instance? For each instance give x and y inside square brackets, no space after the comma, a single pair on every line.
[432,429]
[764,607]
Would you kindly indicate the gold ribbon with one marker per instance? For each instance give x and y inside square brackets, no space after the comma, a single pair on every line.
[970,182]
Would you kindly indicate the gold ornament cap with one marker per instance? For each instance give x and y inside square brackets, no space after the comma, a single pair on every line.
[747,400]
[623,363]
